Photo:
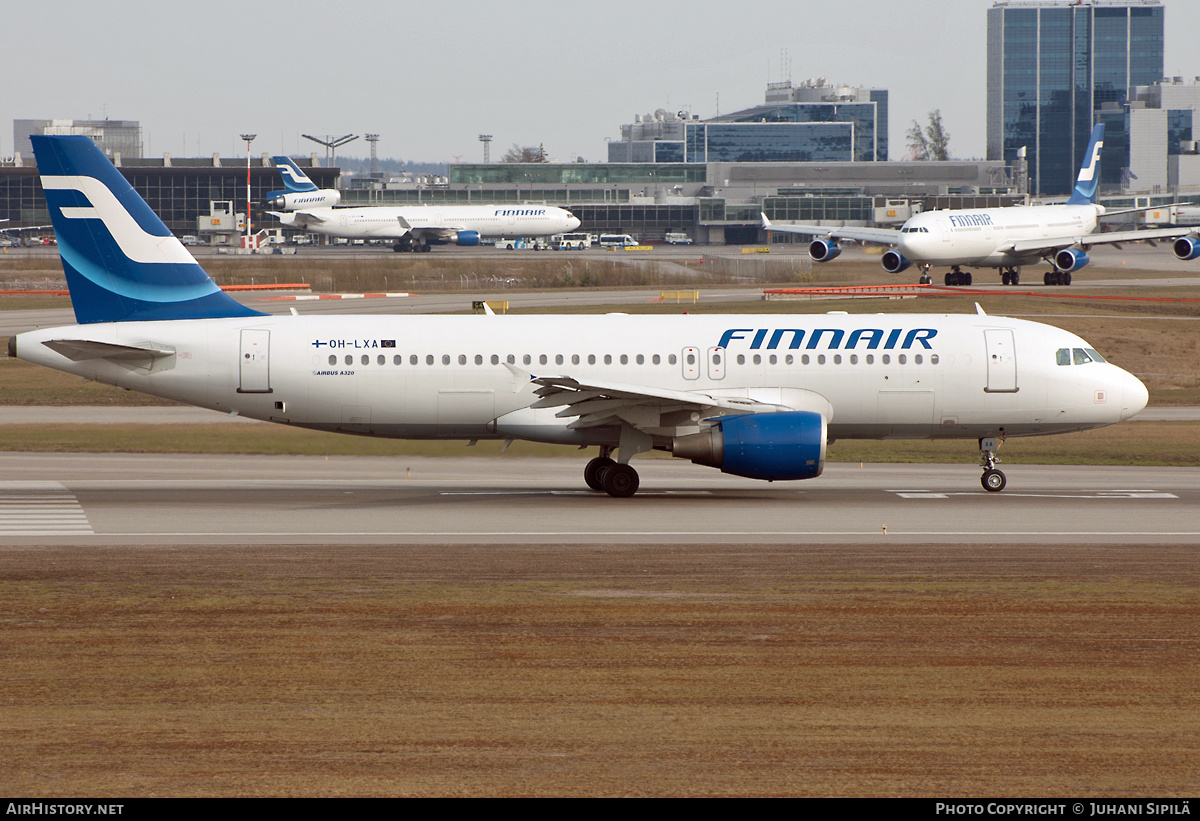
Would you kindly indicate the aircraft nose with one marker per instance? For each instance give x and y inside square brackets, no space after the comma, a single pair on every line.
[1134,395]
[573,222]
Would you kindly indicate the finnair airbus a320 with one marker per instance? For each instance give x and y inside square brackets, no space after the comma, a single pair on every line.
[1004,238]
[756,396]
[410,228]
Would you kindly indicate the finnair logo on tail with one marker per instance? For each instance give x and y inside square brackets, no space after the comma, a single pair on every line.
[1088,172]
[293,177]
[133,241]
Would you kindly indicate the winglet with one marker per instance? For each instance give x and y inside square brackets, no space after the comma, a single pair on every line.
[121,262]
[1089,172]
[766,223]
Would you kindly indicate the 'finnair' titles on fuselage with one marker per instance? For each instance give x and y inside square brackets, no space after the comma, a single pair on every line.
[919,376]
[394,222]
[986,237]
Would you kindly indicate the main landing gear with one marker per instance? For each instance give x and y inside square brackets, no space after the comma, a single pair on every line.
[958,277]
[409,244]
[1010,276]
[615,479]
[993,480]
[1057,278]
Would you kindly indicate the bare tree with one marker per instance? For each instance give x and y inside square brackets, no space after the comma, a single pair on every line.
[931,142]
[525,153]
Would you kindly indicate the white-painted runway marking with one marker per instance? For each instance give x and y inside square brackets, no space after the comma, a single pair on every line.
[1099,494]
[40,509]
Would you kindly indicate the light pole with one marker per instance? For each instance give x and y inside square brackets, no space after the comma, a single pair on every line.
[249,138]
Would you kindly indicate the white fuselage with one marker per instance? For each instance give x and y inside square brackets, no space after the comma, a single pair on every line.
[884,376]
[388,222]
[985,236]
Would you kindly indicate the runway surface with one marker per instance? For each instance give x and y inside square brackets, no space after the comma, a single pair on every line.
[97,499]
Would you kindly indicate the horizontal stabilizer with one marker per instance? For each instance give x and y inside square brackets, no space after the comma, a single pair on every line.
[80,350]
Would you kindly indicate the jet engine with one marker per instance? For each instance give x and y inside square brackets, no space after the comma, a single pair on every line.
[285,201]
[894,262]
[465,238]
[785,445]
[1186,248]
[823,250]
[1070,260]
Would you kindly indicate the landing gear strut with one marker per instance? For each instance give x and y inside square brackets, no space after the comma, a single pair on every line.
[618,480]
[993,480]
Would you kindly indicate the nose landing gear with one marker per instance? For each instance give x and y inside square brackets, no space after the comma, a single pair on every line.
[993,479]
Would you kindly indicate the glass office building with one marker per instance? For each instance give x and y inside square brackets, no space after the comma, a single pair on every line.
[1053,67]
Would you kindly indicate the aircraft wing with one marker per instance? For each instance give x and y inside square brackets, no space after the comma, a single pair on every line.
[656,411]
[1053,244]
[884,236]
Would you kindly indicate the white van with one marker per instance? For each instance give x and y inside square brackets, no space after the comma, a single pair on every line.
[616,240]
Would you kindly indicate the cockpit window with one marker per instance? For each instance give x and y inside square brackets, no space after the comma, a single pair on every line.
[1096,357]
[1080,357]
[1063,356]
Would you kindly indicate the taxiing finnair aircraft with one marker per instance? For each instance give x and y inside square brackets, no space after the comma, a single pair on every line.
[300,191]
[1004,238]
[756,395]
[411,228]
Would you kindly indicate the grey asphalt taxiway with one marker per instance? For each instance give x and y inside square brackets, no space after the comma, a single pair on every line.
[134,499]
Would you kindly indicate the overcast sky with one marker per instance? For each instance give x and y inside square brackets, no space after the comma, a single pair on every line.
[430,77]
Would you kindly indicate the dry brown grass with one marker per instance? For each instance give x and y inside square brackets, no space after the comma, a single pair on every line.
[585,670]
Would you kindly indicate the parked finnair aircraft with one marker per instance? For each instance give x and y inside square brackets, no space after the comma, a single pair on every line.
[756,395]
[414,228]
[300,191]
[1003,238]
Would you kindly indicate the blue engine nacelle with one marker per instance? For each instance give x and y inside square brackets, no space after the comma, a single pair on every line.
[786,445]
[1186,248]
[1070,260]
[823,250]
[894,262]
[466,238]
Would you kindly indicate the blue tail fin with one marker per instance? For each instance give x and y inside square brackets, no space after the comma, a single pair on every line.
[1089,172]
[294,180]
[121,262]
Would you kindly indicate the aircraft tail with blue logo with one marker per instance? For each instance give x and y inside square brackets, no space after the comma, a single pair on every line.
[1089,172]
[294,180]
[122,263]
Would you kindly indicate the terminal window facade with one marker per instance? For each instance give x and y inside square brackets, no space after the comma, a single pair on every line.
[770,142]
